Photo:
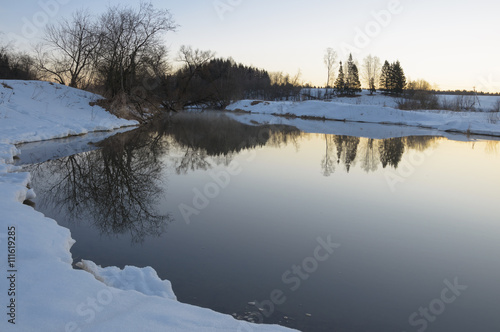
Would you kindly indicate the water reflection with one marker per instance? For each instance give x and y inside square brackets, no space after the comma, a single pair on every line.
[219,138]
[119,186]
[115,187]
[369,152]
[297,187]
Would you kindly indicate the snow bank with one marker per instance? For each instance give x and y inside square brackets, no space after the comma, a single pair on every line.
[479,123]
[40,289]
[36,111]
[144,280]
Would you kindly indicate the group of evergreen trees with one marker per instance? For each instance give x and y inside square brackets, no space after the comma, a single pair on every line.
[392,78]
[215,84]
[347,82]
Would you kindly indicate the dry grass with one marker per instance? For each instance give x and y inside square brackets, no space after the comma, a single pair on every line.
[5,85]
[119,106]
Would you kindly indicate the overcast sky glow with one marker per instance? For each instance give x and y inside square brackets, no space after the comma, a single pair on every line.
[453,44]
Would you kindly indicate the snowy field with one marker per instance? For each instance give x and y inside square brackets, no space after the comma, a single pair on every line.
[483,103]
[374,110]
[40,289]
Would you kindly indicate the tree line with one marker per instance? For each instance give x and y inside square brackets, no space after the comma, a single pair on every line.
[16,66]
[121,54]
[389,78]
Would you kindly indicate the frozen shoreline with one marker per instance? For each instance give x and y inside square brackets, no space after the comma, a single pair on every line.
[46,293]
[438,121]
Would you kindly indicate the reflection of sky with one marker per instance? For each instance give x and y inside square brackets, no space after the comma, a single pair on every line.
[396,247]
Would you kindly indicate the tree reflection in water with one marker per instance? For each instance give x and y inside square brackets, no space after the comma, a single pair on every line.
[118,187]
[370,152]
[115,187]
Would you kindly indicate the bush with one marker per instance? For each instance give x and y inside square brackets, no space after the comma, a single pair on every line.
[418,100]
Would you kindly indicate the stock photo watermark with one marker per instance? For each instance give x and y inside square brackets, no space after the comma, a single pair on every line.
[406,168]
[11,275]
[428,314]
[31,26]
[202,197]
[490,83]
[292,280]
[222,7]
[220,181]
[49,10]
[89,309]
[364,36]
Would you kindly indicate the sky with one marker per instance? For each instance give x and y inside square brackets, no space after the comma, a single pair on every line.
[451,44]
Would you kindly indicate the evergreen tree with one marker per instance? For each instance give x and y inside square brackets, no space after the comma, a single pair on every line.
[355,83]
[340,82]
[398,77]
[385,77]
[352,82]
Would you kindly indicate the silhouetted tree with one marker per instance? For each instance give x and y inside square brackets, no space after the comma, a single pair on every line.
[16,66]
[352,82]
[386,77]
[392,78]
[340,82]
[399,78]
[131,44]
[70,50]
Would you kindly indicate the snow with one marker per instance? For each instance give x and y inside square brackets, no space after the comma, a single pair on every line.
[50,295]
[483,103]
[439,121]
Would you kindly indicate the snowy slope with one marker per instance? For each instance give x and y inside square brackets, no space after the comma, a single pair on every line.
[47,294]
[483,103]
[480,123]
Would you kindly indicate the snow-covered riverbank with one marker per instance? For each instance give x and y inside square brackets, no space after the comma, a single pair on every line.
[479,123]
[40,289]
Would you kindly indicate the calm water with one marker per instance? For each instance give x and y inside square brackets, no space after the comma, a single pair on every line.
[323,232]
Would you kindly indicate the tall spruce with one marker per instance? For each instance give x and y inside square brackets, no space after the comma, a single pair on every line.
[353,84]
[399,78]
[392,78]
[385,77]
[340,82]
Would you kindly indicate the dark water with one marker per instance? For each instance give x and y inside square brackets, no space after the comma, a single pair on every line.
[322,232]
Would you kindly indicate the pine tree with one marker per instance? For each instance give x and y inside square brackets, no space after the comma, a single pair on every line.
[385,77]
[355,83]
[399,78]
[340,82]
[352,82]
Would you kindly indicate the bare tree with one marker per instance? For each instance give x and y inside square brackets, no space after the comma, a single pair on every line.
[188,89]
[371,72]
[330,59]
[130,40]
[194,59]
[69,50]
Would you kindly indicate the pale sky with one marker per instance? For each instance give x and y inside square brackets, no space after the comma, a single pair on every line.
[454,44]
